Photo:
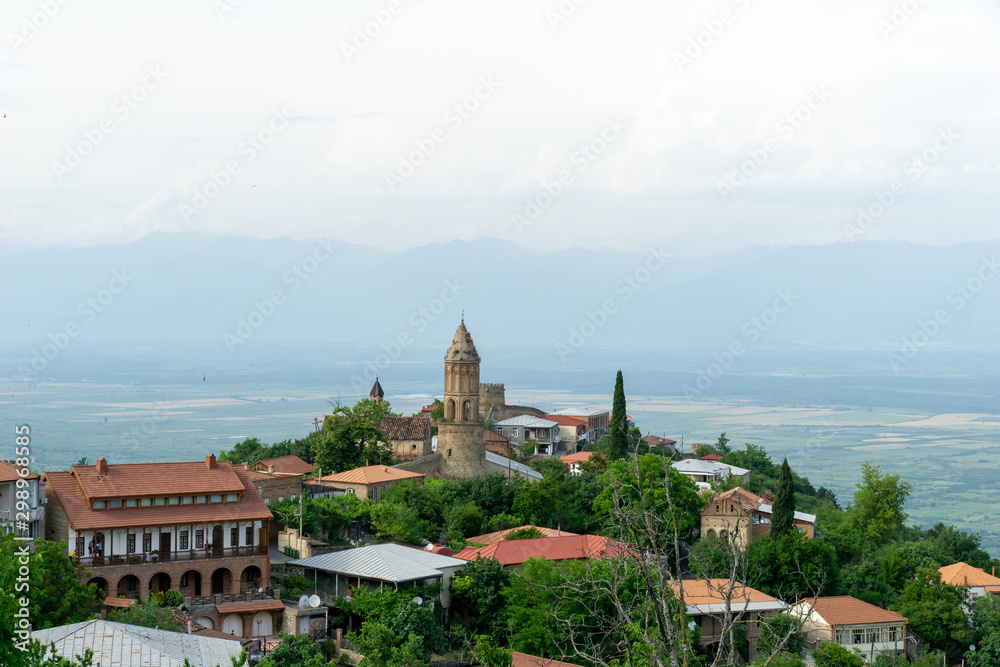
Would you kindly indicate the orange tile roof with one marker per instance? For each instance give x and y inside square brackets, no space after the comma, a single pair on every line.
[579,457]
[501,535]
[9,473]
[711,457]
[372,475]
[654,440]
[960,574]
[493,436]
[745,498]
[845,610]
[259,605]
[568,547]
[65,487]
[567,420]
[136,480]
[285,465]
[118,602]
[262,475]
[525,660]
[715,591]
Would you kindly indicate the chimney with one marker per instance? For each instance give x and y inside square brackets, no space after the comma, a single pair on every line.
[270,469]
[210,461]
[246,465]
[102,466]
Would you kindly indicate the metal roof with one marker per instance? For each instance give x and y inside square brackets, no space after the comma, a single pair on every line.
[527,420]
[501,460]
[801,516]
[384,562]
[125,645]
[708,467]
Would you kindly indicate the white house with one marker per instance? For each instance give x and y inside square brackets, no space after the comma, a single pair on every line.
[705,472]
[852,623]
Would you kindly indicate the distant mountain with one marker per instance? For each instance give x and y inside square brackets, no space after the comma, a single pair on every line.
[201,288]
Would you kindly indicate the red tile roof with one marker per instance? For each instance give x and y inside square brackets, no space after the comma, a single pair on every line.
[372,475]
[118,602]
[745,498]
[66,488]
[525,660]
[258,605]
[570,547]
[137,480]
[715,591]
[579,457]
[501,535]
[493,436]
[10,473]
[405,428]
[285,465]
[711,457]
[845,610]
[960,574]
[653,440]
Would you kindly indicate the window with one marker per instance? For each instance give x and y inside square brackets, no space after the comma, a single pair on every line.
[146,502]
[183,544]
[267,501]
[372,494]
[293,496]
[199,539]
[132,502]
[184,580]
[131,543]
[147,543]
[201,499]
[188,500]
[858,636]
[130,583]
[175,500]
[159,502]
[115,504]
[232,497]
[217,498]
[259,491]
[99,504]
[234,537]
[281,499]
[249,536]
[513,432]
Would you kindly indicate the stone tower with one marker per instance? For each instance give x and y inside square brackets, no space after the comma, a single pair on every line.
[461,441]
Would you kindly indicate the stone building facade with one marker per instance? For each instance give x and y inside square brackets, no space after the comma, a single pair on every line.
[461,441]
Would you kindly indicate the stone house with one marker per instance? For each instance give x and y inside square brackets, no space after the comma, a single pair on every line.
[410,436]
[370,481]
[742,516]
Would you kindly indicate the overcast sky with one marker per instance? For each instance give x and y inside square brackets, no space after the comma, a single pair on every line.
[118,113]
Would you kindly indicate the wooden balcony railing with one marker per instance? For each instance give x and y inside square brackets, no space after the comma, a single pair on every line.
[173,556]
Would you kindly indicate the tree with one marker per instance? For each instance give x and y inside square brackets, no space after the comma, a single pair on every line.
[829,654]
[148,614]
[722,445]
[935,611]
[396,521]
[780,660]
[294,651]
[878,513]
[526,533]
[792,566]
[489,655]
[462,520]
[781,633]
[618,444]
[395,631]
[250,451]
[783,509]
[477,597]
[351,438]
[985,632]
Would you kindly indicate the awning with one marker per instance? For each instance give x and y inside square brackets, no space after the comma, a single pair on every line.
[257,605]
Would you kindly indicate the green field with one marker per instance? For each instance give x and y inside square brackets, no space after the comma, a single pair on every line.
[952,460]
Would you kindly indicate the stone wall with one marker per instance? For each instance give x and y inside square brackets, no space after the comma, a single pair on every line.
[431,465]
[463,448]
[490,396]
[501,412]
[56,523]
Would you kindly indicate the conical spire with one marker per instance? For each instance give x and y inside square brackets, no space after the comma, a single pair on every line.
[377,394]
[462,348]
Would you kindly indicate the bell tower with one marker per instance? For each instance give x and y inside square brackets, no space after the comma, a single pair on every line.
[461,440]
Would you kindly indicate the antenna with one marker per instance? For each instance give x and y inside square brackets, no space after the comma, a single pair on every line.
[418,600]
[314,601]
[304,602]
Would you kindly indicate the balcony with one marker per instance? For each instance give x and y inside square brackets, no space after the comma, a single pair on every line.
[173,556]
[34,514]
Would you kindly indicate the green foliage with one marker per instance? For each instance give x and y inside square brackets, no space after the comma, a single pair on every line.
[351,438]
[462,520]
[703,450]
[294,651]
[618,442]
[792,566]
[829,654]
[489,655]
[935,611]
[395,630]
[330,518]
[764,477]
[147,614]
[783,508]
[168,598]
[780,660]
[477,597]
[292,587]
[396,521]
[711,557]
[781,634]
[985,620]
[252,450]
[501,521]
[722,445]
[526,533]
[878,513]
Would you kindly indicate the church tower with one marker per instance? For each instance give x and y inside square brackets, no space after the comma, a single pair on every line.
[461,441]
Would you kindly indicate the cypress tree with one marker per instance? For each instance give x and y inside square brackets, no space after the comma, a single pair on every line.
[783,510]
[618,436]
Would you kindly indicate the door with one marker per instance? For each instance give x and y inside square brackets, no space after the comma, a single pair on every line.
[99,548]
[233,625]
[263,624]
[217,541]
[303,625]
[164,545]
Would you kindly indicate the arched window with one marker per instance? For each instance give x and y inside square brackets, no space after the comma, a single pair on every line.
[449,410]
[467,411]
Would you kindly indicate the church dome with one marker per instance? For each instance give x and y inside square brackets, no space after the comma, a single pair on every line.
[462,348]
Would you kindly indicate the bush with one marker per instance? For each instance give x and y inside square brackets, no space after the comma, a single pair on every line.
[292,587]
[834,655]
[169,598]
[780,660]
[527,533]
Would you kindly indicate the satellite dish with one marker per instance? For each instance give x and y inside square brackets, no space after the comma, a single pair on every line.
[314,601]
[418,600]
[304,602]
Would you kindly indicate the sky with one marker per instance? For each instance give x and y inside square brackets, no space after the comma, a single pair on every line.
[582,123]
